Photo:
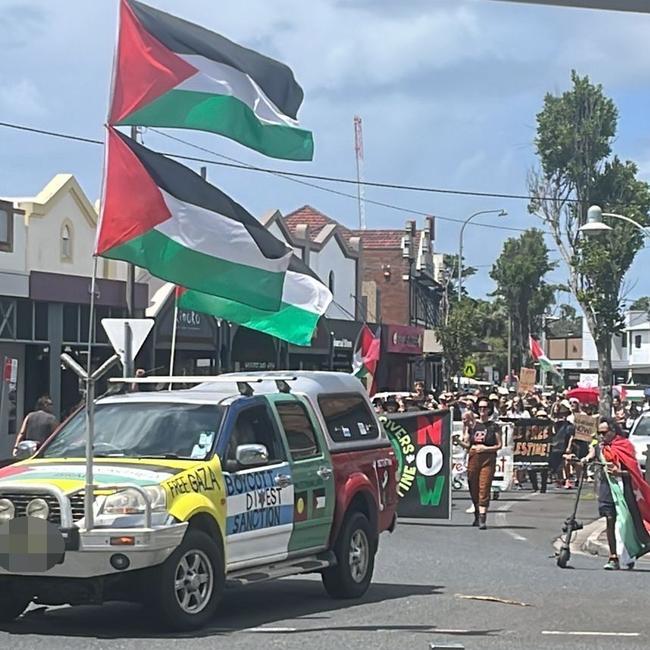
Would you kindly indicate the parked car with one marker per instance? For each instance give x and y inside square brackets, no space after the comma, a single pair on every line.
[237,481]
[640,437]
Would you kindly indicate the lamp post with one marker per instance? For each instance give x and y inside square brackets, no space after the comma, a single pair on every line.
[499,213]
[594,227]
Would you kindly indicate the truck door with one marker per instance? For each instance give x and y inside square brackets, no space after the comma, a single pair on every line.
[259,499]
[312,473]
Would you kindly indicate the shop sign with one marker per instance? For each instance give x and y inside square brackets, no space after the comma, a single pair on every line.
[404,339]
[343,343]
[188,320]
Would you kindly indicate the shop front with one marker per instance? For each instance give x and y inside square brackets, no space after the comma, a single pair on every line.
[401,358]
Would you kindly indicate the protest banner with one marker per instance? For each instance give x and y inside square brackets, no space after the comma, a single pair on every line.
[422,444]
[586,426]
[526,380]
[531,442]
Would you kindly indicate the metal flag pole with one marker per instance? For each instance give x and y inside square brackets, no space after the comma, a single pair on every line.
[89,493]
[172,352]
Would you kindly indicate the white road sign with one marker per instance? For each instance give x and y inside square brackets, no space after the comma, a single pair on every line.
[115,329]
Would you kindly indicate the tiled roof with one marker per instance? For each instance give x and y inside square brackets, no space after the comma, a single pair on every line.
[316,221]
[309,216]
[376,239]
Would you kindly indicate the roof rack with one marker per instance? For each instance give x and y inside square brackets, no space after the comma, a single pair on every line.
[243,381]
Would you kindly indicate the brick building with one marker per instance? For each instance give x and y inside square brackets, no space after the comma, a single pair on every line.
[398,292]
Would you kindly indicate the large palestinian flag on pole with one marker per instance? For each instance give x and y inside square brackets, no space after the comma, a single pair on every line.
[171,73]
[304,300]
[161,216]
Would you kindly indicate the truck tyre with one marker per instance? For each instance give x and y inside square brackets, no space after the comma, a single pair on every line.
[12,604]
[355,553]
[189,584]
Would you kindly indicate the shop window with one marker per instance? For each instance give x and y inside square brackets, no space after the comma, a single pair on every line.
[40,321]
[637,341]
[70,323]
[624,341]
[24,320]
[330,281]
[6,227]
[66,243]
[348,417]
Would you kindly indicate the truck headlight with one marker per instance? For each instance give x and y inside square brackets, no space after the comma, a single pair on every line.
[131,502]
[38,508]
[7,510]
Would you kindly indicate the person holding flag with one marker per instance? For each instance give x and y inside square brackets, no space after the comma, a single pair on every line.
[623,496]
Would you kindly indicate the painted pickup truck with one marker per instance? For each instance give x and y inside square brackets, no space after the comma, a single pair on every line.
[235,481]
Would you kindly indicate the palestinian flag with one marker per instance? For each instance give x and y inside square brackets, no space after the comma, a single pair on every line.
[631,496]
[538,354]
[304,300]
[366,357]
[172,73]
[163,217]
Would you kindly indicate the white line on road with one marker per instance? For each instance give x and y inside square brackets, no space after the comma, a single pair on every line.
[501,518]
[271,629]
[561,633]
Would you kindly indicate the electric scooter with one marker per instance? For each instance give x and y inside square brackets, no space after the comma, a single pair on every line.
[571,525]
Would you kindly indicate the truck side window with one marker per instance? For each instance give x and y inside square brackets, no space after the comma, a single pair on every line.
[301,436]
[348,417]
[255,427]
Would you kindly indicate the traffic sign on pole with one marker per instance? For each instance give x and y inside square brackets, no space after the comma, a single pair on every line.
[116,330]
[469,370]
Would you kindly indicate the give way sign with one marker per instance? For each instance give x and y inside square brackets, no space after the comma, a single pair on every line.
[116,330]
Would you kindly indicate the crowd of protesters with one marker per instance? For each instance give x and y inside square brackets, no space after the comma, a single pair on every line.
[482,409]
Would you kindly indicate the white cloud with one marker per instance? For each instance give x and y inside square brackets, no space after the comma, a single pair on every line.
[21,98]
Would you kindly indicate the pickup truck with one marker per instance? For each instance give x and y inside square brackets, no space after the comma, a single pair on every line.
[234,481]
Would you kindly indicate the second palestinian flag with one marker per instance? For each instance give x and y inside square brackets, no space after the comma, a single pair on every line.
[163,217]
[304,300]
[172,73]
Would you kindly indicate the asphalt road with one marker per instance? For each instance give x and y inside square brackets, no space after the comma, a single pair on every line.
[425,574]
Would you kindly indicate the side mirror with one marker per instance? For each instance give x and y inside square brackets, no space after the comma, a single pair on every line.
[252,455]
[26,449]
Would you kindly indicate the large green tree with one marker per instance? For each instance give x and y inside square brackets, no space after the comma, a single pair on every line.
[575,132]
[519,274]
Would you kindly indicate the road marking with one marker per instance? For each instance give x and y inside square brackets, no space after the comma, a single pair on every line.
[501,519]
[271,629]
[561,633]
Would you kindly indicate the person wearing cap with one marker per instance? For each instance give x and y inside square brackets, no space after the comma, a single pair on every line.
[482,439]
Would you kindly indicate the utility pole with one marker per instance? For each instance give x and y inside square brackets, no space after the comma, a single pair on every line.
[358,150]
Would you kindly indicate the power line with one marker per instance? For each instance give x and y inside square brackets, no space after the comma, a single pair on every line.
[289,177]
[296,177]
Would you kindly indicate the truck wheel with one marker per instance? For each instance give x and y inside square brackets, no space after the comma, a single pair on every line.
[355,553]
[12,604]
[190,582]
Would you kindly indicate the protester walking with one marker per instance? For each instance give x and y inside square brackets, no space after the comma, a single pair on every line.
[482,439]
[39,425]
[632,502]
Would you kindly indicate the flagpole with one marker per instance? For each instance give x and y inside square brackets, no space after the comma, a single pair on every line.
[172,352]
[89,490]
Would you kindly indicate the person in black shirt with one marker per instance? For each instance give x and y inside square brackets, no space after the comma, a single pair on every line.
[564,432]
[482,440]
[39,424]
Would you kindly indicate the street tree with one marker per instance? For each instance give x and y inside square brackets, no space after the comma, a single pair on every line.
[641,304]
[519,274]
[574,139]
[458,336]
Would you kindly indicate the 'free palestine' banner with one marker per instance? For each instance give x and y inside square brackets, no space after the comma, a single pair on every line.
[422,443]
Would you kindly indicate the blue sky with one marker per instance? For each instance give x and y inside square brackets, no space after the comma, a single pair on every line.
[448,91]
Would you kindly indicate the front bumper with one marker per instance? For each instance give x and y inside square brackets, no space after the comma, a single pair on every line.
[88,553]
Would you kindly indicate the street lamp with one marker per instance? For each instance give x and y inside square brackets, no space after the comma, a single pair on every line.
[596,226]
[499,213]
